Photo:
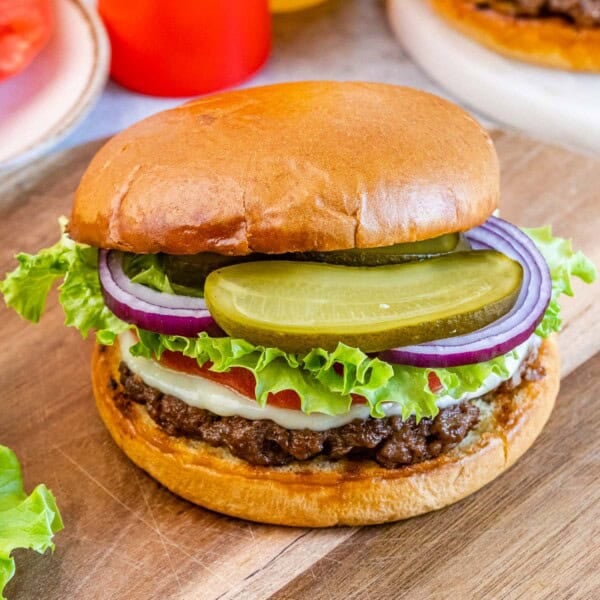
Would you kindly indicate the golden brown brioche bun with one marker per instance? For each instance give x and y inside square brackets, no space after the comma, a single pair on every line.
[289,167]
[320,493]
[549,41]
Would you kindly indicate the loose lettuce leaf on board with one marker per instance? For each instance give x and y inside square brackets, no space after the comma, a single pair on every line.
[25,521]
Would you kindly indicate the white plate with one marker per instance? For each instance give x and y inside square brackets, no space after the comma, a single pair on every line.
[49,98]
[552,104]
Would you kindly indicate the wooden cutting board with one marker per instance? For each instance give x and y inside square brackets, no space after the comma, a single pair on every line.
[532,533]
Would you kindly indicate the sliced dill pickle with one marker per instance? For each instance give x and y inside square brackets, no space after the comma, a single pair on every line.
[296,306]
[192,270]
[390,255]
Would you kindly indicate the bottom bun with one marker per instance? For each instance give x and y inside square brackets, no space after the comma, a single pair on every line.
[321,493]
[548,41]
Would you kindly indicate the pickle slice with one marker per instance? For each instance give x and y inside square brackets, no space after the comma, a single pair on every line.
[192,270]
[296,306]
[390,255]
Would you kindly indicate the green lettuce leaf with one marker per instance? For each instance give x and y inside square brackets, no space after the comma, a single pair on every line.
[149,270]
[564,264]
[27,287]
[320,389]
[25,521]
[325,381]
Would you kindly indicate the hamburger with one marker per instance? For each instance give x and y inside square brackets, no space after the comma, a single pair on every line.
[563,34]
[305,312]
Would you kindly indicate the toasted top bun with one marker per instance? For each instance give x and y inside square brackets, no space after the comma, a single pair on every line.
[548,41]
[320,493]
[289,167]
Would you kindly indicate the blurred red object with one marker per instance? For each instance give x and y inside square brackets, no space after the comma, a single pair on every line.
[25,27]
[185,47]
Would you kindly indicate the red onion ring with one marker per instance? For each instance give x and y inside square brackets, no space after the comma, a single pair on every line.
[147,294]
[139,305]
[506,333]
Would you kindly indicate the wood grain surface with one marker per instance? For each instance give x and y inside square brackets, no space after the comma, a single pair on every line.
[532,533]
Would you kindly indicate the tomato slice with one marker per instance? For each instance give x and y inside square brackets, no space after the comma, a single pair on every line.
[435,385]
[238,379]
[25,27]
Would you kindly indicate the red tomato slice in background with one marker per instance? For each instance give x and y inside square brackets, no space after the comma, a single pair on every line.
[25,27]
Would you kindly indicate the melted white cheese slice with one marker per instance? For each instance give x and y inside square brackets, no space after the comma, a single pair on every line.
[221,400]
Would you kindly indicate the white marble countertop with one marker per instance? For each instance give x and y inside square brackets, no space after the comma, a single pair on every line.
[342,39]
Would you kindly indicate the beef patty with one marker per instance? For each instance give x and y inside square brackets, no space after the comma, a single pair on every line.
[584,13]
[391,441]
